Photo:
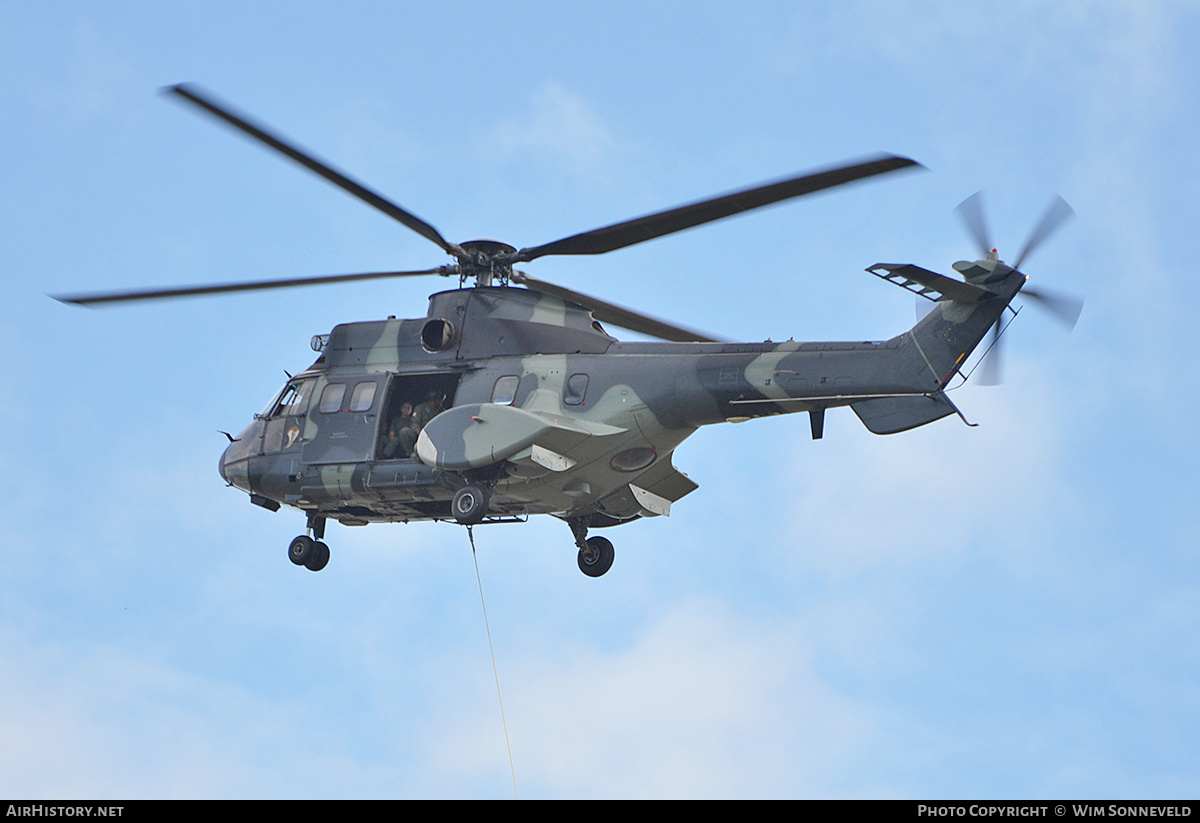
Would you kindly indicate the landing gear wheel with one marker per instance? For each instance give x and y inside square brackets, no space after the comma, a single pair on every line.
[469,505]
[320,558]
[597,557]
[309,553]
[302,550]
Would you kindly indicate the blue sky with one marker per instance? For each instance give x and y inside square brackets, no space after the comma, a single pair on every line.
[1001,611]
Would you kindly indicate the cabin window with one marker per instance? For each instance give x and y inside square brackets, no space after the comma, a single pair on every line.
[575,390]
[331,398]
[362,397]
[505,390]
[294,399]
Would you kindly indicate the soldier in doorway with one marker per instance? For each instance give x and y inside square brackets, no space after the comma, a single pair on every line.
[393,441]
[421,416]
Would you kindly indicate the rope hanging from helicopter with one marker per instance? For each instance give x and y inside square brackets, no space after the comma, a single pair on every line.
[495,670]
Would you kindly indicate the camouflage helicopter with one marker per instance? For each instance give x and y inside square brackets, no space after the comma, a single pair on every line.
[503,402]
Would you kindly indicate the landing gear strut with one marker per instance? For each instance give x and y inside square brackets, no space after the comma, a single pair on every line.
[308,552]
[595,553]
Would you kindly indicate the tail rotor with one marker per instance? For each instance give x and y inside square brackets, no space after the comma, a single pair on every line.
[1057,213]
[1063,307]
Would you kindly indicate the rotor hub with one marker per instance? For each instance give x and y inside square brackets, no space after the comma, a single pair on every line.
[485,261]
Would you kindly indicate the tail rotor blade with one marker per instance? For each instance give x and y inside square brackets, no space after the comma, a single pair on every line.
[971,212]
[990,374]
[1065,308]
[1056,214]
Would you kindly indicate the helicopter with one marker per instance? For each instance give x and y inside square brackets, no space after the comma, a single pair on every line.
[509,398]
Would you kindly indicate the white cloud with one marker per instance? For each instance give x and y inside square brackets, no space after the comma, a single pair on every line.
[560,125]
[703,704]
[935,493]
[97,722]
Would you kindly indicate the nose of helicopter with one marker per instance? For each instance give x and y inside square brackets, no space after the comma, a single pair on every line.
[234,464]
[222,461]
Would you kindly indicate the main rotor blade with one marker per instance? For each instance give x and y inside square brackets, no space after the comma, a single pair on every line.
[650,226]
[194,95]
[1066,309]
[971,212]
[1058,213]
[616,315]
[99,298]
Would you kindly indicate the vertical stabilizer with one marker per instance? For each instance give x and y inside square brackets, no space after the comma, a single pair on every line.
[933,350]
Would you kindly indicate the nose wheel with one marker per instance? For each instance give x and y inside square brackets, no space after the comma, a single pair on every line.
[308,552]
[311,554]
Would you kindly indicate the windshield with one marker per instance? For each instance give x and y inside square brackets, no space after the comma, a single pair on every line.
[291,400]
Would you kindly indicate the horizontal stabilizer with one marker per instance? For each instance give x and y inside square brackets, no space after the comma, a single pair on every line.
[888,415]
[928,284]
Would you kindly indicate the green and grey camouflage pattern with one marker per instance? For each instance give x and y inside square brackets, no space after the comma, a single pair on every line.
[506,402]
[548,414]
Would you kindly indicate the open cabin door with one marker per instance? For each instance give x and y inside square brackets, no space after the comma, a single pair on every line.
[412,401]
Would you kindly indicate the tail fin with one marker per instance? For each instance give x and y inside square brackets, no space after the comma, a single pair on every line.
[932,351]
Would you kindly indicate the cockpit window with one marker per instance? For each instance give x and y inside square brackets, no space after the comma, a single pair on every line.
[294,399]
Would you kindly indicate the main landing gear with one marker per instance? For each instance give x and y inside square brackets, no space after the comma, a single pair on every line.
[595,553]
[469,506]
[310,552]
